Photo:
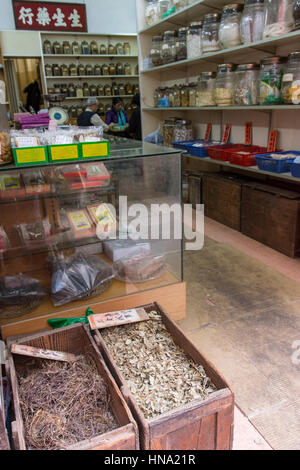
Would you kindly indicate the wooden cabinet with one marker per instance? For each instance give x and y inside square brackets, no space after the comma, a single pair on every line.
[271,216]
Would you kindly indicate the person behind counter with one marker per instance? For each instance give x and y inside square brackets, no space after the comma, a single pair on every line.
[116,116]
[90,117]
[135,125]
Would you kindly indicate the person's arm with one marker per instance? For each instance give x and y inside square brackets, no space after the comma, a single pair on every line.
[97,121]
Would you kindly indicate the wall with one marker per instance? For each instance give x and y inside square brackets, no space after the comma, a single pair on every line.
[118,16]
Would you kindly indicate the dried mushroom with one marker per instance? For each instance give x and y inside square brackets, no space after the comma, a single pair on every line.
[158,373]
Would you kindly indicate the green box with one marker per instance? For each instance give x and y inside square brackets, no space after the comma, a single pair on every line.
[94,149]
[65,152]
[30,155]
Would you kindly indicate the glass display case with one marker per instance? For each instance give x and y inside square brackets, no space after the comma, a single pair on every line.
[56,256]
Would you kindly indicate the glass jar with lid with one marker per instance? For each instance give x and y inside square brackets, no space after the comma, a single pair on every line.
[81,70]
[112,69]
[107,90]
[48,70]
[127,69]
[126,48]
[79,91]
[155,52]
[278,18]
[89,69]
[246,85]
[94,48]
[151,12]
[51,91]
[112,49]
[93,90]
[57,49]
[183,130]
[122,89]
[270,80]
[56,70]
[184,96]
[206,89]
[101,109]
[75,48]
[170,96]
[79,110]
[136,89]
[119,48]
[252,21]
[168,129]
[193,40]
[73,111]
[177,96]
[71,90]
[47,47]
[100,90]
[85,48]
[120,69]
[155,97]
[67,48]
[115,89]
[73,70]
[193,95]
[181,52]
[229,29]
[210,32]
[168,48]
[103,49]
[291,80]
[97,70]
[105,69]
[224,85]
[128,89]
[163,7]
[57,88]
[64,89]
[86,89]
[64,70]
[179,4]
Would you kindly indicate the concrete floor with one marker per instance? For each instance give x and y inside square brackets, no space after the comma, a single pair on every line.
[244,314]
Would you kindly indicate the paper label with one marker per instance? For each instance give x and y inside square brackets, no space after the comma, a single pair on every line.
[122,317]
[102,214]
[288,77]
[272,141]
[248,133]
[79,220]
[33,155]
[26,141]
[95,150]
[63,139]
[64,153]
[226,134]
[208,132]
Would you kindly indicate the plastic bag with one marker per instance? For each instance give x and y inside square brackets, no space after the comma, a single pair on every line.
[155,137]
[62,322]
[79,276]
[140,268]
[4,242]
[19,295]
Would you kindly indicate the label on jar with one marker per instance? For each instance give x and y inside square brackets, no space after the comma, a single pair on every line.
[165,46]
[288,77]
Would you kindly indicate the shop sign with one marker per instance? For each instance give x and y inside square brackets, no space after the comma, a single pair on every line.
[50,16]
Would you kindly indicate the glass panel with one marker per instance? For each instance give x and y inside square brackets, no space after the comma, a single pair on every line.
[50,213]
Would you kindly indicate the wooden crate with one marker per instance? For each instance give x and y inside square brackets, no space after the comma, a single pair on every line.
[75,339]
[221,196]
[4,444]
[271,215]
[199,425]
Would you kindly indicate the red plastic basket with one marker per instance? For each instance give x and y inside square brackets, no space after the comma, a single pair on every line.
[218,152]
[245,156]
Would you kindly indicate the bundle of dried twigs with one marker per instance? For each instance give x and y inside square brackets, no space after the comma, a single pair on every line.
[63,403]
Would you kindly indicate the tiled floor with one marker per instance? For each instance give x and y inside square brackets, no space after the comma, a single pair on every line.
[243,314]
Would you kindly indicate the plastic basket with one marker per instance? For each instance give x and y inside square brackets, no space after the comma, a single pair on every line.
[220,152]
[295,170]
[190,147]
[245,156]
[267,163]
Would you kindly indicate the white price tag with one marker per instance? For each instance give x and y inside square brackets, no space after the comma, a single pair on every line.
[63,140]
[288,77]
[26,141]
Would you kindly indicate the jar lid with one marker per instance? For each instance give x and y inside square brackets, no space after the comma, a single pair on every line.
[210,17]
[273,60]
[156,38]
[294,55]
[232,6]
[196,24]
[183,29]
[169,33]
[183,122]
[247,67]
[225,66]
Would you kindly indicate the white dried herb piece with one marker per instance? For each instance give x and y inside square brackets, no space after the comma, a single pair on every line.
[157,371]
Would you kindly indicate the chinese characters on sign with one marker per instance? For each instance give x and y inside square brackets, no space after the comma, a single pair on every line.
[50,16]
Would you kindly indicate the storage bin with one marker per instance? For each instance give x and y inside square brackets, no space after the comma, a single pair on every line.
[271,216]
[199,425]
[221,152]
[267,163]
[245,156]
[295,169]
[191,147]
[77,340]
[221,196]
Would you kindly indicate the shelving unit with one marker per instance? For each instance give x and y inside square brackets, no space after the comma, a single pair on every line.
[94,59]
[285,118]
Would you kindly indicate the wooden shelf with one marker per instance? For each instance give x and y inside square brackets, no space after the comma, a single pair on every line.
[95,56]
[87,77]
[227,108]
[100,97]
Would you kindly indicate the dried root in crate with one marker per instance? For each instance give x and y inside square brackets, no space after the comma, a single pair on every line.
[63,403]
[158,373]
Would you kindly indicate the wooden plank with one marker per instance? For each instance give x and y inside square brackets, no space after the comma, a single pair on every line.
[119,439]
[4,444]
[42,353]
[121,317]
[224,428]
[172,297]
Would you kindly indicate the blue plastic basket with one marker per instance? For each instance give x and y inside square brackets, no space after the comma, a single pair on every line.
[295,169]
[188,146]
[267,163]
